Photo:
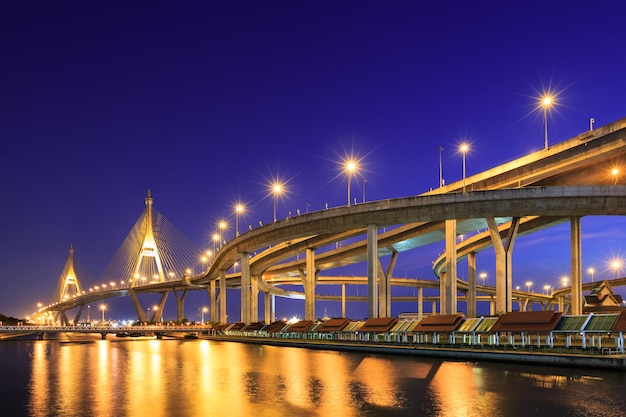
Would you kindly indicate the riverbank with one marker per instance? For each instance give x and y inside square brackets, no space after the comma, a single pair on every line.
[527,355]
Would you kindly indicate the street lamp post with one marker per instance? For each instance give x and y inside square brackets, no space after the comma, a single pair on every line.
[102,308]
[591,272]
[276,189]
[528,285]
[483,276]
[464,148]
[615,173]
[546,101]
[617,266]
[216,238]
[222,226]
[238,210]
[350,168]
[440,167]
[204,310]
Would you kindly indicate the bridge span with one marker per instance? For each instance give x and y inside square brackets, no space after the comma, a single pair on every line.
[561,184]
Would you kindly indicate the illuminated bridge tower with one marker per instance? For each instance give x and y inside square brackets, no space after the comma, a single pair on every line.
[154,252]
[148,267]
[68,286]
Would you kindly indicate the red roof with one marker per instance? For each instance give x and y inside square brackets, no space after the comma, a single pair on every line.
[620,324]
[441,323]
[334,325]
[300,327]
[527,321]
[378,325]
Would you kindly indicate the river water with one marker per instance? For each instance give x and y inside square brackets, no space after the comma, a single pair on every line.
[181,377]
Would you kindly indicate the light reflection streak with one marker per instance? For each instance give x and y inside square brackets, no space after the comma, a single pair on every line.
[39,387]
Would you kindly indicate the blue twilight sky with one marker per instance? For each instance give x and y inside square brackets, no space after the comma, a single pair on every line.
[206,103]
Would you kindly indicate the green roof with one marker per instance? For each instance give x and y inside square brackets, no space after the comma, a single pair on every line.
[571,323]
[601,323]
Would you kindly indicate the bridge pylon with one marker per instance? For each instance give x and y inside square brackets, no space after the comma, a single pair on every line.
[149,260]
[68,285]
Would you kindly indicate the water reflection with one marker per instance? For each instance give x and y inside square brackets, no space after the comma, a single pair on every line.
[201,378]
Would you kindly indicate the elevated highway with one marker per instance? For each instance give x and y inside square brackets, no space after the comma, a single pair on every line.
[563,183]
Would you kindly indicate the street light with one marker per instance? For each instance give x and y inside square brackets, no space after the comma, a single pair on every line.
[546,101]
[615,173]
[547,289]
[564,280]
[483,276]
[617,266]
[591,272]
[216,238]
[529,284]
[222,225]
[277,188]
[464,148]
[204,310]
[102,308]
[350,168]
[238,209]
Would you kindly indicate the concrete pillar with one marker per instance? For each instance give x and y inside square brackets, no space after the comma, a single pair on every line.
[385,285]
[157,312]
[180,305]
[492,307]
[420,303]
[309,279]
[450,292]
[577,266]
[471,278]
[245,287]
[141,315]
[254,300]
[442,288]
[343,301]
[223,316]
[504,266]
[433,307]
[372,268]
[213,300]
[270,307]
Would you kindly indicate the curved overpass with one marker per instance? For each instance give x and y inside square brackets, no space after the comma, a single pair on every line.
[416,221]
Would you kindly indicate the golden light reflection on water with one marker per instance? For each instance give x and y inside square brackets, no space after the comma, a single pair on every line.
[206,378]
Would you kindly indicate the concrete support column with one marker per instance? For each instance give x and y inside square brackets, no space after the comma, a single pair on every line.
[561,304]
[372,268]
[343,301]
[434,307]
[270,307]
[254,300]
[442,289]
[385,285]
[213,300]
[471,278]
[420,303]
[577,266]
[180,305]
[450,292]
[504,266]
[157,312]
[141,315]
[223,316]
[245,287]
[309,281]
